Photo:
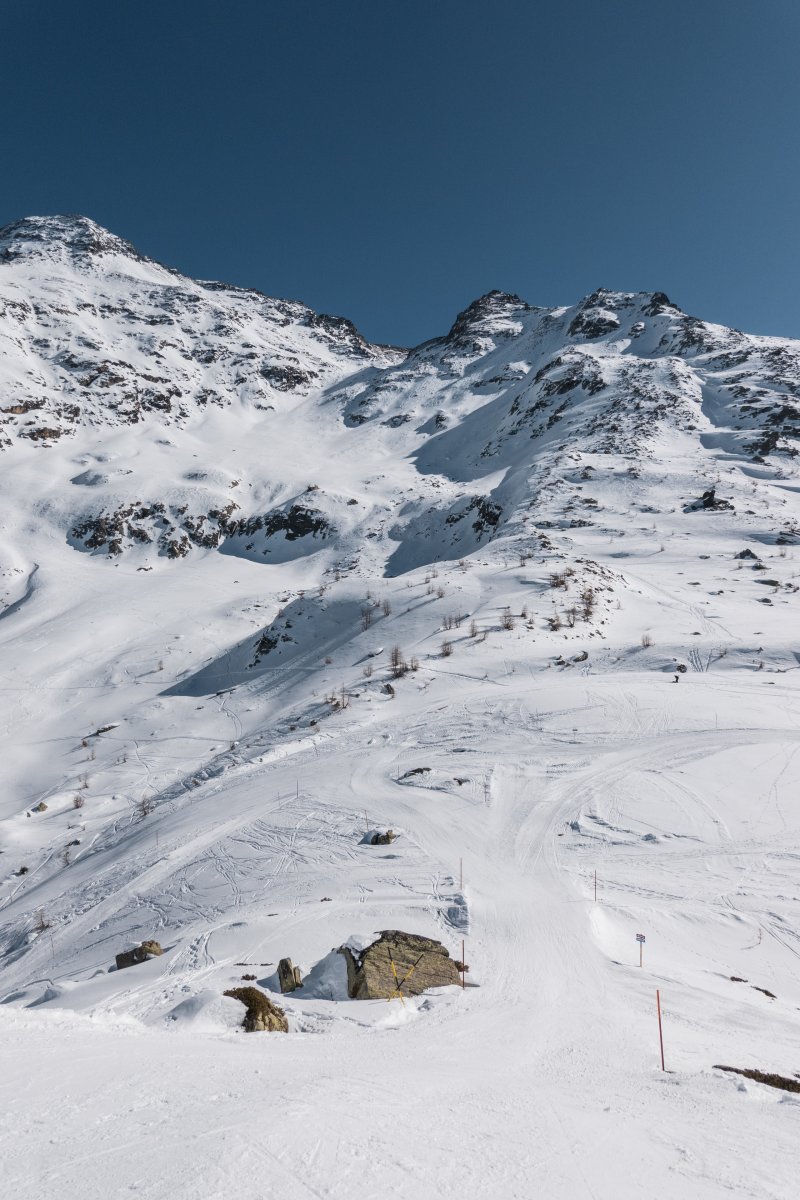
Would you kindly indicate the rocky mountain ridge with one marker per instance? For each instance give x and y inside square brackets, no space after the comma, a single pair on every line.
[480,423]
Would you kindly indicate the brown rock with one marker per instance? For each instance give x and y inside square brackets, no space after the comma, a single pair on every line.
[262,1015]
[398,963]
[383,839]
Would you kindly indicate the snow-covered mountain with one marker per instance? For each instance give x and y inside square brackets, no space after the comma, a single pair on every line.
[526,593]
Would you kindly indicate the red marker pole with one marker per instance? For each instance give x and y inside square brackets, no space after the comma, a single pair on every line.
[660,1033]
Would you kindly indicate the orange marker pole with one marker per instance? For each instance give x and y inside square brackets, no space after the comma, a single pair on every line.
[660,1033]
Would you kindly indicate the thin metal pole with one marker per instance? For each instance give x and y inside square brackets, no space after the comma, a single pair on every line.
[660,1033]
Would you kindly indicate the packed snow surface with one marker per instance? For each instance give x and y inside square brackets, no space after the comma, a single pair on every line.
[527,595]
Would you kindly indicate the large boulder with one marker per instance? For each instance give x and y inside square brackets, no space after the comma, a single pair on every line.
[289,976]
[397,964]
[139,954]
[262,1015]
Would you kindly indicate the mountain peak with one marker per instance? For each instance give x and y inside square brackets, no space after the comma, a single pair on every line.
[486,309]
[62,236]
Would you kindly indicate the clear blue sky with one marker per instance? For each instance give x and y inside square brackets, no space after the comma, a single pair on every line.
[390,160]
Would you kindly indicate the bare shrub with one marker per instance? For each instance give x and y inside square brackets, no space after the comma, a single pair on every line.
[507,619]
[571,614]
[386,608]
[397,664]
[41,921]
[328,660]
[588,601]
[367,672]
[413,664]
[446,649]
[440,592]
[473,628]
[646,641]
[554,622]
[447,623]
[366,618]
[78,800]
[144,807]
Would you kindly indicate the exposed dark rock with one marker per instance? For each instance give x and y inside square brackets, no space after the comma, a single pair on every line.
[139,954]
[289,976]
[398,964]
[383,839]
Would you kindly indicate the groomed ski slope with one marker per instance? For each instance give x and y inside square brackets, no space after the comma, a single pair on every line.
[545,1078]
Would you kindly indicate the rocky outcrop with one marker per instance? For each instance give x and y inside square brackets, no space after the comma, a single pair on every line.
[289,976]
[262,1015]
[383,839]
[397,964]
[139,954]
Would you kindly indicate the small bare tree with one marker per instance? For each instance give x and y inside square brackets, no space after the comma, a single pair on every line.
[78,800]
[366,617]
[387,608]
[144,806]
[397,664]
[447,649]
[473,628]
[507,619]
[40,921]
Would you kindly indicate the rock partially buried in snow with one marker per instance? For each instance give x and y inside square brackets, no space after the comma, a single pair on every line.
[383,839]
[397,964]
[139,954]
[262,1015]
[289,976]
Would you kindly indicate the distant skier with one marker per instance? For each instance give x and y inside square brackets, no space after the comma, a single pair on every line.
[675,680]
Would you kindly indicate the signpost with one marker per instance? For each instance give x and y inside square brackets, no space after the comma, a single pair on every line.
[641,940]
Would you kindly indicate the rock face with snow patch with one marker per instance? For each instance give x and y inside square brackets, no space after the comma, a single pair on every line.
[139,954]
[262,1015]
[398,963]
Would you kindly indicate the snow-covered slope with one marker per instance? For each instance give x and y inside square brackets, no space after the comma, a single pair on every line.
[576,528]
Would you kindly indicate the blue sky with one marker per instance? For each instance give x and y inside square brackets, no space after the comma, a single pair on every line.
[391,161]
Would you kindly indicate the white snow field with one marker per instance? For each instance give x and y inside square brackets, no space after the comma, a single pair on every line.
[220,515]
